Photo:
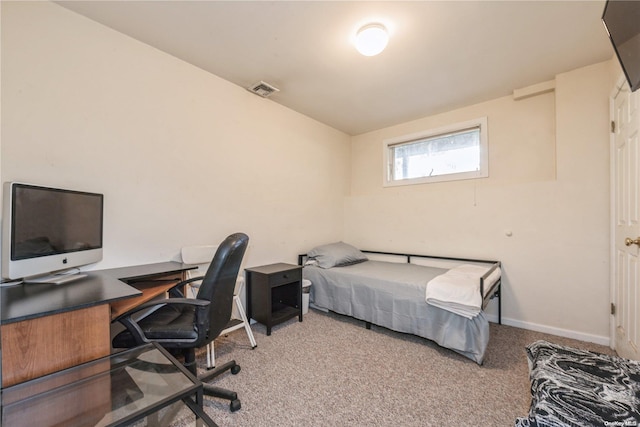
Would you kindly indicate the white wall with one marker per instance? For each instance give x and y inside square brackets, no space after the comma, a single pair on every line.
[183,157]
[548,186]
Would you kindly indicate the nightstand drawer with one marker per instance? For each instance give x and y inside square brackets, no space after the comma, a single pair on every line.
[285,277]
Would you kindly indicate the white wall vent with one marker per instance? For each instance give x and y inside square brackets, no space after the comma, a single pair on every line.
[263,89]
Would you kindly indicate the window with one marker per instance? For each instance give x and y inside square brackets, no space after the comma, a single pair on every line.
[447,154]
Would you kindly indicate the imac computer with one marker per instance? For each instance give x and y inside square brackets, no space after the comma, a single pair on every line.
[47,233]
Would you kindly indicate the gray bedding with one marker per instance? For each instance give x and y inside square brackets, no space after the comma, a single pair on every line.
[392,295]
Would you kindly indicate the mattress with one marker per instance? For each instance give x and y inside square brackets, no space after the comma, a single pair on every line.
[392,295]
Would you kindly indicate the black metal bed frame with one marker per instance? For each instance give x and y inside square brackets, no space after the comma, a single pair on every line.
[494,291]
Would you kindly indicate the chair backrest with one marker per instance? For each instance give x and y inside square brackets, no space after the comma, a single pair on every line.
[219,282]
[201,257]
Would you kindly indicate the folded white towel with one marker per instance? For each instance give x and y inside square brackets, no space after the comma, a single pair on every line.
[458,290]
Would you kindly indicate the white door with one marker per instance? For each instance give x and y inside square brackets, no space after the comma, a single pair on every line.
[626,221]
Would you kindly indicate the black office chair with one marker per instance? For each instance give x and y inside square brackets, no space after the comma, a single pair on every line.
[184,324]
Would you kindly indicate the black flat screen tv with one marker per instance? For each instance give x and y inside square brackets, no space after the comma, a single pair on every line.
[621,19]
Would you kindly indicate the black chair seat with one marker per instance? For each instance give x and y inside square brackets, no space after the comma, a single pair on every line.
[166,323]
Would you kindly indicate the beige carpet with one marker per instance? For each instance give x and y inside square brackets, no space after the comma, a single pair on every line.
[330,371]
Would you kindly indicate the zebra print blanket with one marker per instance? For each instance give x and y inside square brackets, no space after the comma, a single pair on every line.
[577,388]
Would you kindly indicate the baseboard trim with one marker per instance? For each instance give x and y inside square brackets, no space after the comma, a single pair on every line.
[581,336]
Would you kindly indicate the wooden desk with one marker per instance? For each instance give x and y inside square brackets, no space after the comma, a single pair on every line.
[151,280]
[150,289]
[46,328]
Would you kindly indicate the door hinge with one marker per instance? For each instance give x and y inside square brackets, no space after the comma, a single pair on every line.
[613,126]
[613,309]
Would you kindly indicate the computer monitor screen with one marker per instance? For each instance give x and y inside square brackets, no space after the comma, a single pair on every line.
[49,229]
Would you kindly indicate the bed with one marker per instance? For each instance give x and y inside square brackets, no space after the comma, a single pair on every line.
[392,290]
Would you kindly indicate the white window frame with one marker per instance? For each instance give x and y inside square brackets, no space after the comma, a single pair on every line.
[387,145]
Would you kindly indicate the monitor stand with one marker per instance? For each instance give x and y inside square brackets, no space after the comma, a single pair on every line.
[55,278]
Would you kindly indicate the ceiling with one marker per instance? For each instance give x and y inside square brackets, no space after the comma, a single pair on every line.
[442,54]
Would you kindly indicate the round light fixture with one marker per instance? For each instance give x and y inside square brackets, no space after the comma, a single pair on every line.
[372,39]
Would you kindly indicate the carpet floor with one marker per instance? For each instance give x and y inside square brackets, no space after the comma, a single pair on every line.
[330,371]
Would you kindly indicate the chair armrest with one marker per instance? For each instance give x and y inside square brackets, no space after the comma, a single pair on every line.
[184,301]
[176,292]
[187,281]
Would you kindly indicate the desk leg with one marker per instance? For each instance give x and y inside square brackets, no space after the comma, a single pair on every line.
[200,414]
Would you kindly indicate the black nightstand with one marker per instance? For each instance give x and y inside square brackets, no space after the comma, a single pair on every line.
[274,293]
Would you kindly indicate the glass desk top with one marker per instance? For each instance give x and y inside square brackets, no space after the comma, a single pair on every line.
[113,391]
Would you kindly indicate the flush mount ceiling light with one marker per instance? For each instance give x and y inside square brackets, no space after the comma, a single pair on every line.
[372,39]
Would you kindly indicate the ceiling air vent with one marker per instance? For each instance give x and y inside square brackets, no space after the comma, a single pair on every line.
[263,89]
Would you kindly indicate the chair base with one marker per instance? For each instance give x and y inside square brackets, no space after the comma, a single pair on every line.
[210,390]
[221,393]
[231,396]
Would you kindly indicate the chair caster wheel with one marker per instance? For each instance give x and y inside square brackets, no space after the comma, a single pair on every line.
[235,405]
[235,369]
